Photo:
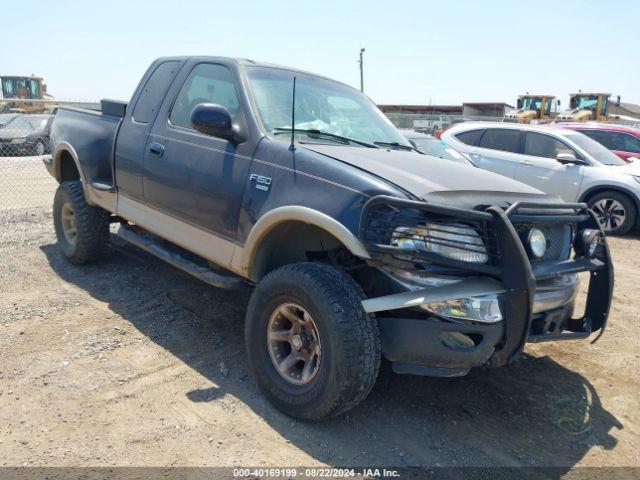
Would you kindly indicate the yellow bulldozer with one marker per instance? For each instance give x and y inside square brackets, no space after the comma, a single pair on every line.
[542,108]
[13,89]
[587,106]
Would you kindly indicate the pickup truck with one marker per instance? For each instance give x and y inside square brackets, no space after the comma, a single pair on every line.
[357,246]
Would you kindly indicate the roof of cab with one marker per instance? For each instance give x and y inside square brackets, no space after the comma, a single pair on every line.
[248,63]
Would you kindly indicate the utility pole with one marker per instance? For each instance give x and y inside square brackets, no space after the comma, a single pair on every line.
[361,71]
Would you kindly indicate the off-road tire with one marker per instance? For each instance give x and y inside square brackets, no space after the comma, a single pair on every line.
[350,340]
[628,205]
[92,225]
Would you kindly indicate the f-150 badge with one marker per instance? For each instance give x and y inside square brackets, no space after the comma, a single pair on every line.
[262,182]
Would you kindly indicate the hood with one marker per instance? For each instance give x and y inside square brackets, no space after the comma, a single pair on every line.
[10,134]
[434,179]
[632,168]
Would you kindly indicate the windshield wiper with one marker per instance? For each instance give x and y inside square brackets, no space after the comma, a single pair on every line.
[313,131]
[397,146]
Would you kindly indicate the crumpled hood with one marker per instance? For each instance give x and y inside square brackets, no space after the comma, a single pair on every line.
[434,179]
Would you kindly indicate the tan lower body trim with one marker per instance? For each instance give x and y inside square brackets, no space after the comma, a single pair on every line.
[194,239]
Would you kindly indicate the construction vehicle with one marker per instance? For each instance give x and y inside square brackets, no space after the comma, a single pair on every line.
[587,106]
[16,88]
[543,108]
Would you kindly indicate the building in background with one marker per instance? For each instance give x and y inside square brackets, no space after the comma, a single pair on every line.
[431,118]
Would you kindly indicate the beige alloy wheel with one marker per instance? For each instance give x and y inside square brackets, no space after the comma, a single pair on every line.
[294,344]
[68,221]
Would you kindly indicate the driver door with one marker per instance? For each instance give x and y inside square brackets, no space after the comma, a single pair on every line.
[195,177]
[539,168]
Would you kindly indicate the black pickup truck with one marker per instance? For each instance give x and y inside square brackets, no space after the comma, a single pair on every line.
[357,246]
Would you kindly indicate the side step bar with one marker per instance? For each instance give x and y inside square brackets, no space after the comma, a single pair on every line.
[202,273]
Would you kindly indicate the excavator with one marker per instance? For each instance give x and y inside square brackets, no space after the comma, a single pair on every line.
[587,106]
[543,108]
[16,88]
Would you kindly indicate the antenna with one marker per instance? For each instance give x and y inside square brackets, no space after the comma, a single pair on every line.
[293,115]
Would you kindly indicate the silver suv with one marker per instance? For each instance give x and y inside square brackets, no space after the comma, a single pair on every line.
[557,161]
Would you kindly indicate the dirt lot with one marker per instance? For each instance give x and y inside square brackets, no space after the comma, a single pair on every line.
[130,362]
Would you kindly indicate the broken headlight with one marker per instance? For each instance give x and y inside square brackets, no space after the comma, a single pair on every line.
[455,241]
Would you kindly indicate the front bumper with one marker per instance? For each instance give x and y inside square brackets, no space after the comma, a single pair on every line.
[532,311]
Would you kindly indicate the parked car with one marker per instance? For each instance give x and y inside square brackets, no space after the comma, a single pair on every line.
[622,140]
[558,161]
[430,145]
[358,246]
[25,135]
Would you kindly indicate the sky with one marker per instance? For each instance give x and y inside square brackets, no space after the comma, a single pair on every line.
[417,52]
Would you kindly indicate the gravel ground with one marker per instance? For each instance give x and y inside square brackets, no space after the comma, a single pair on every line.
[129,362]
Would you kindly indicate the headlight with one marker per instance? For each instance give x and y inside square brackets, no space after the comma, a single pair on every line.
[18,140]
[485,309]
[455,241]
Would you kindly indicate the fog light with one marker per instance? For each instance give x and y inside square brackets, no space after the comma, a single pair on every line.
[591,241]
[537,243]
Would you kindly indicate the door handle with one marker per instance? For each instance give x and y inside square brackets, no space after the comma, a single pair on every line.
[526,163]
[156,149]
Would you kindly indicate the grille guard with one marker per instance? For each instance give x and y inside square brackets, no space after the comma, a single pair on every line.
[509,263]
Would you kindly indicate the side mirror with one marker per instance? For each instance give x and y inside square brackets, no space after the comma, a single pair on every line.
[215,120]
[567,157]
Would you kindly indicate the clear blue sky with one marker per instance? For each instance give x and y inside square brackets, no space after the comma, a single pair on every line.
[416,51]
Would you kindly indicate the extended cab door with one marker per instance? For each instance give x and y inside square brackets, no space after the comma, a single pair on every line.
[497,151]
[135,128]
[539,168]
[191,176]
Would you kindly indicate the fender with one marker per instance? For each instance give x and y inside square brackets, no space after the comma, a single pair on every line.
[104,199]
[62,147]
[279,215]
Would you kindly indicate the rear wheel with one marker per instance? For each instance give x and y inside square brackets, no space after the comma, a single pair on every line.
[81,229]
[615,211]
[313,350]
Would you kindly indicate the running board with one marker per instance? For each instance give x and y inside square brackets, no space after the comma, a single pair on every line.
[205,274]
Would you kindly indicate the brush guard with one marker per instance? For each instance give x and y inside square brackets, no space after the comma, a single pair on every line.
[508,262]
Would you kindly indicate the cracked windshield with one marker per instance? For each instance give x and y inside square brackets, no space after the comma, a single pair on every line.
[326,111]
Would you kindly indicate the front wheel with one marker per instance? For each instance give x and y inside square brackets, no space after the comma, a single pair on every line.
[615,211]
[313,350]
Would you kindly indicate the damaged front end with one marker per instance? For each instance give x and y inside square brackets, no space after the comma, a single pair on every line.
[457,288]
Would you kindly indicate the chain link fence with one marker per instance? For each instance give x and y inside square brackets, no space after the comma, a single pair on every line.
[24,144]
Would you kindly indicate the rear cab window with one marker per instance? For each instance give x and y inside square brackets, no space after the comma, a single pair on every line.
[503,139]
[154,91]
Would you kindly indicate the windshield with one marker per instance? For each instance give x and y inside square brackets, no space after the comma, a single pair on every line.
[530,103]
[21,87]
[321,105]
[596,150]
[437,148]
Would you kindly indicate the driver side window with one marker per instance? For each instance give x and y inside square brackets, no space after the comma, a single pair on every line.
[207,83]
[540,145]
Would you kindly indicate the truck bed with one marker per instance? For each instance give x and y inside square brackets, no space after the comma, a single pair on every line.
[92,135]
